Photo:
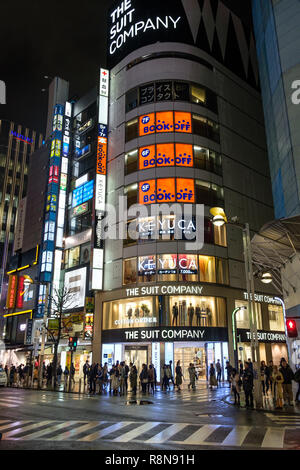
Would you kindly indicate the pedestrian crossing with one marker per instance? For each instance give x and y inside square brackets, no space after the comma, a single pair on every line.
[13,400]
[147,433]
[196,396]
[285,419]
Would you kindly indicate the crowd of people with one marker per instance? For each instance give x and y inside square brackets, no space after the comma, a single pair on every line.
[276,381]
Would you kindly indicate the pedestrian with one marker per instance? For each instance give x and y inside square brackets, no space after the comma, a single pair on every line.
[193,376]
[229,371]
[236,383]
[219,370]
[144,378]
[66,375]
[288,376]
[248,385]
[165,379]
[59,374]
[126,367]
[263,376]
[241,368]
[133,379]
[179,376]
[6,371]
[93,378]
[115,379]
[212,377]
[72,374]
[250,364]
[171,375]
[151,379]
[278,389]
[86,369]
[122,378]
[269,377]
[100,379]
[297,379]
[49,374]
[12,371]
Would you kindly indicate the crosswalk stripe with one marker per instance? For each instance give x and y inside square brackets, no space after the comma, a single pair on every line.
[237,436]
[43,432]
[274,437]
[17,400]
[13,425]
[25,428]
[203,433]
[163,436]
[74,432]
[128,436]
[104,432]
[10,405]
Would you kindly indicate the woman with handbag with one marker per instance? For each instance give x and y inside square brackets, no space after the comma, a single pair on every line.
[179,375]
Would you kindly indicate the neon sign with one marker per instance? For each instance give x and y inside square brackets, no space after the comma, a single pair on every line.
[22,138]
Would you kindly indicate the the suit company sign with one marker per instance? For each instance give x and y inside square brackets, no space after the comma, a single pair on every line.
[129,20]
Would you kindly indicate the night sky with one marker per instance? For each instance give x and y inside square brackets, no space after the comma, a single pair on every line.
[66,39]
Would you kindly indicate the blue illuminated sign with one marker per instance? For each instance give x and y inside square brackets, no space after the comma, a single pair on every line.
[82,194]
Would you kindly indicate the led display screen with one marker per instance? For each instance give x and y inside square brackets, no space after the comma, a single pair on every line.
[83,193]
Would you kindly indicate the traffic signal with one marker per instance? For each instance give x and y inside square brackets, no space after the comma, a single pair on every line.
[72,343]
[291,328]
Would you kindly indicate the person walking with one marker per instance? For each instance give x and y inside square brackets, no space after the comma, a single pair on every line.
[179,375]
[193,376]
[171,377]
[72,374]
[86,369]
[236,386]
[288,376]
[248,385]
[115,379]
[241,368]
[12,371]
[144,378]
[277,388]
[269,377]
[122,378]
[219,370]
[212,377]
[250,364]
[93,378]
[133,379]
[165,379]
[59,374]
[229,371]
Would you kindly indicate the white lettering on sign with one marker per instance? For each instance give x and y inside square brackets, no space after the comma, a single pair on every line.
[265,336]
[166,289]
[262,298]
[123,28]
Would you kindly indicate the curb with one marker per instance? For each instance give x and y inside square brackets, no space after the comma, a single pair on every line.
[279,412]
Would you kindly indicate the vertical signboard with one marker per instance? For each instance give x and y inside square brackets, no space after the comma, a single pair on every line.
[100,186]
[12,291]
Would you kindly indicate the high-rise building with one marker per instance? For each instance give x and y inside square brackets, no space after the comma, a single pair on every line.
[185,125]
[276,26]
[17,143]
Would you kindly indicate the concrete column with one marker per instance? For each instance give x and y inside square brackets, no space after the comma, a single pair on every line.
[97,333]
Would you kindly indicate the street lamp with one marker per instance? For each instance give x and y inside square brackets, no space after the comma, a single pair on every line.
[234,335]
[266,278]
[218,214]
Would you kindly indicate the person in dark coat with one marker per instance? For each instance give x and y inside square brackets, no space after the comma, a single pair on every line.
[93,378]
[288,376]
[144,378]
[248,385]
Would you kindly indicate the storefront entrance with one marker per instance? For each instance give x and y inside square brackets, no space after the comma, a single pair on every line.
[138,355]
[201,355]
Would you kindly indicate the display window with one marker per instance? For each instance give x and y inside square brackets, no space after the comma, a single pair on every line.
[133,313]
[167,267]
[196,311]
[129,271]
[242,315]
[276,319]
[146,268]
[188,267]
[207,268]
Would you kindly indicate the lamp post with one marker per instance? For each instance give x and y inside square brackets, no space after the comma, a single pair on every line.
[234,335]
[219,219]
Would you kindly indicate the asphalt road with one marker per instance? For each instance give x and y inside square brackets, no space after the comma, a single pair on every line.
[186,420]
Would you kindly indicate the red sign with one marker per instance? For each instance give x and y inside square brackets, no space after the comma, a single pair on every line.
[12,291]
[20,293]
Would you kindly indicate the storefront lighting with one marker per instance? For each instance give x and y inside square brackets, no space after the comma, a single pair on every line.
[266,278]
[219,216]
[218,221]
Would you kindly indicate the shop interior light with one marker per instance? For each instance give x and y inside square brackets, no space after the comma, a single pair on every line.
[266,278]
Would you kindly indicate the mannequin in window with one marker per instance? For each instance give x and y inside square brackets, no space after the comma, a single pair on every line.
[209,316]
[184,314]
[137,312]
[191,312]
[129,313]
[175,313]
[198,315]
